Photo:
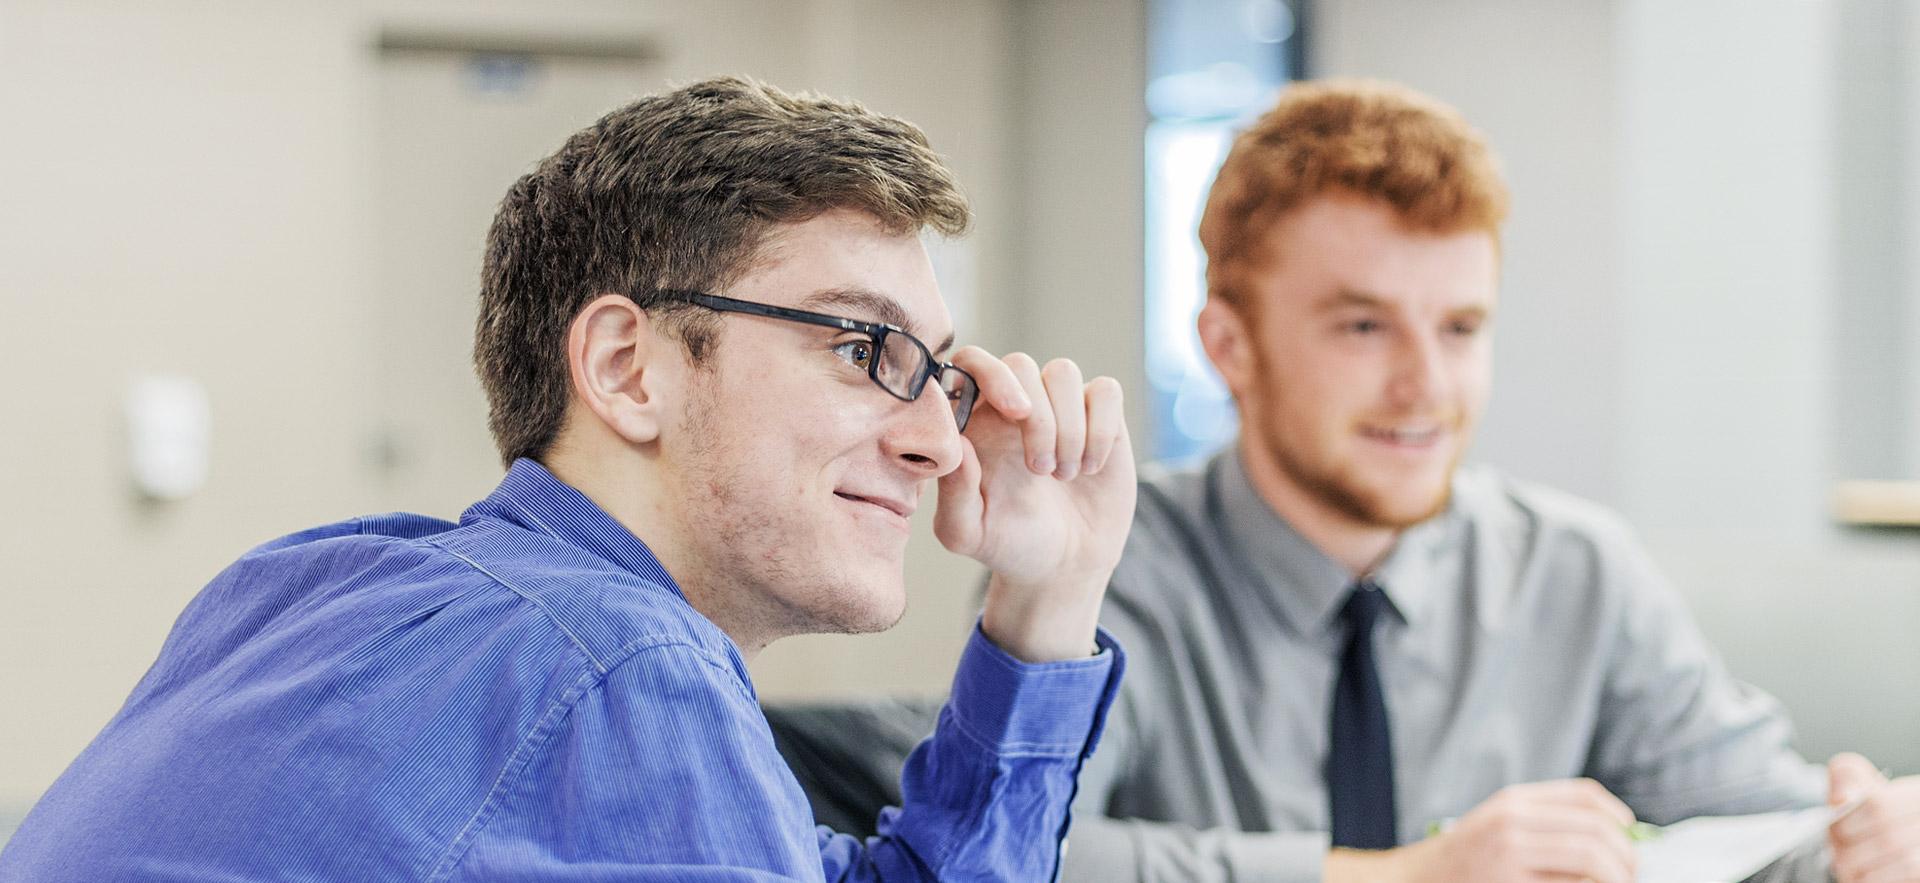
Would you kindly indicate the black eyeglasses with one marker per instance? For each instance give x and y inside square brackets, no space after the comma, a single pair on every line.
[896,361]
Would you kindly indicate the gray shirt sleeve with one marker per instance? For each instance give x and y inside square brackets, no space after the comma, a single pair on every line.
[1679,736]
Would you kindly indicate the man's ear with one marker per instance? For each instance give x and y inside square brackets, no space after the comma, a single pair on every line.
[620,369]
[1229,343]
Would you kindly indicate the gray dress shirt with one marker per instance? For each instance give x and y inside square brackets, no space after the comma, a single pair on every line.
[1530,638]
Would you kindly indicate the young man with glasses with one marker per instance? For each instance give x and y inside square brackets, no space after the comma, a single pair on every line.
[702,335]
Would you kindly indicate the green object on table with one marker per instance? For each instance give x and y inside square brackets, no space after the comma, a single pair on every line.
[1638,832]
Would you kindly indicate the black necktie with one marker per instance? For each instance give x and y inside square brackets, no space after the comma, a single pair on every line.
[1360,756]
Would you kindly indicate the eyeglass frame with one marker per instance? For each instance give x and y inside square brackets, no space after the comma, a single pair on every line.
[878,331]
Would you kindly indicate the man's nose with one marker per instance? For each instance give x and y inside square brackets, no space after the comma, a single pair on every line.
[1420,371]
[923,435]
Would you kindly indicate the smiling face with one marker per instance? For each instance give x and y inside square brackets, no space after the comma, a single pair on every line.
[794,474]
[1361,363]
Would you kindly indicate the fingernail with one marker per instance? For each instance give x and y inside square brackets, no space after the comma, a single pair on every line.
[1043,465]
[1089,467]
[1067,471]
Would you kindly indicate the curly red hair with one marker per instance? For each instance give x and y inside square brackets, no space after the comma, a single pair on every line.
[1370,138]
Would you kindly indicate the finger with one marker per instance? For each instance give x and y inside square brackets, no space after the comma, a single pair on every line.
[1583,824]
[999,388]
[957,519]
[1849,776]
[1858,860]
[1887,809]
[1578,857]
[1067,390]
[1036,430]
[1898,864]
[1590,795]
[1106,419]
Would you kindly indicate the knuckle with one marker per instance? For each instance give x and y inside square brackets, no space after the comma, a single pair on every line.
[1019,360]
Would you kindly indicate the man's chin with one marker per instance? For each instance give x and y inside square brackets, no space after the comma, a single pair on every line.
[864,608]
[1395,508]
[1401,511]
[879,616]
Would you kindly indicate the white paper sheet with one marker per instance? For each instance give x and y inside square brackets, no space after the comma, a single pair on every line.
[1727,849]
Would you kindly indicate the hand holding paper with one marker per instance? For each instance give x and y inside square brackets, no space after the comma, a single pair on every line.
[1879,842]
[1572,829]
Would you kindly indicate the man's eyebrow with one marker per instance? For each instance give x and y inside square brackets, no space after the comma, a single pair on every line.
[1347,297]
[866,305]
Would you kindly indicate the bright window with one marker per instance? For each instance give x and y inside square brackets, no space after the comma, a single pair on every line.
[1213,65]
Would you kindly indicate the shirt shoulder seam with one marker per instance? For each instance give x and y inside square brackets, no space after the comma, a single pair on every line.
[600,668]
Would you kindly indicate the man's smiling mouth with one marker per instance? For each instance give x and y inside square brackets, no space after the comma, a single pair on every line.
[1404,436]
[890,506]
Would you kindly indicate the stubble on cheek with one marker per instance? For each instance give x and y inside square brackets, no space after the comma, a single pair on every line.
[1316,464]
[769,545]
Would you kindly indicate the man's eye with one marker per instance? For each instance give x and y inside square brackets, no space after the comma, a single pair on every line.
[858,353]
[1363,326]
[1464,329]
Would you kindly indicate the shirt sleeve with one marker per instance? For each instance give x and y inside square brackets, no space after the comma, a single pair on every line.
[987,796]
[1679,736]
[666,770]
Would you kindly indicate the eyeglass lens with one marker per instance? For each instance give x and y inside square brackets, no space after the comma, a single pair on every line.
[961,391]
[901,363]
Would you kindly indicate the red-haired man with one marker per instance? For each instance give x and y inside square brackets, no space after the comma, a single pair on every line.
[1343,640]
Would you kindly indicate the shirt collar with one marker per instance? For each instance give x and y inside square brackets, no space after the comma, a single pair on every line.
[535,499]
[1307,584]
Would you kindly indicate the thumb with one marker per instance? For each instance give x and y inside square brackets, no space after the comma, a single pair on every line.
[957,520]
[1850,776]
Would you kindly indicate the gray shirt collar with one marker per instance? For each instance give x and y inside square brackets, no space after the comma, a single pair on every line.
[1309,586]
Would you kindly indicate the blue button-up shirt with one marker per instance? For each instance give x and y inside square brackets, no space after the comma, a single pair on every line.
[523,696]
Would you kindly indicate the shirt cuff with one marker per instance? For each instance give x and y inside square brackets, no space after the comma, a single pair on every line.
[1024,708]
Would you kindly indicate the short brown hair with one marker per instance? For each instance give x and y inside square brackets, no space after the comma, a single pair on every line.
[1365,137]
[676,191]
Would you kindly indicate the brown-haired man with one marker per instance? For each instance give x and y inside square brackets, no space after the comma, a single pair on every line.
[701,333]
[1341,640]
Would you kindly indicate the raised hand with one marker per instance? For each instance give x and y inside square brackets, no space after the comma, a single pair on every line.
[1043,497]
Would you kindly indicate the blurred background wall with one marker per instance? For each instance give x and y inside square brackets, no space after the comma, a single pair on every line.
[1708,316]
